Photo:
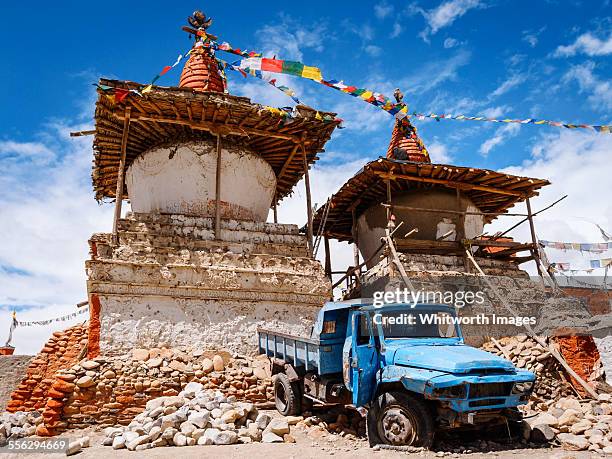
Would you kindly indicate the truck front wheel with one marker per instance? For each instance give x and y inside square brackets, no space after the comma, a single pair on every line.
[287,396]
[400,419]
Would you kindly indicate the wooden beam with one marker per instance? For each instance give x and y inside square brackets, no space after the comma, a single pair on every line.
[275,209]
[534,240]
[211,127]
[328,266]
[121,173]
[218,191]
[455,212]
[308,197]
[450,183]
[289,159]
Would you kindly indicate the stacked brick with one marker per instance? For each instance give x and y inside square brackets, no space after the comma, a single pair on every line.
[63,350]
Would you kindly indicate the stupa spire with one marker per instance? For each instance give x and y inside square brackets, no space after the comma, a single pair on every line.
[405,143]
[201,71]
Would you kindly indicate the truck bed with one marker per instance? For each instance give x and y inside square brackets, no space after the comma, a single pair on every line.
[321,356]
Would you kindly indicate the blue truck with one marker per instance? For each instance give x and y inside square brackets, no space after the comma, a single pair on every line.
[406,364]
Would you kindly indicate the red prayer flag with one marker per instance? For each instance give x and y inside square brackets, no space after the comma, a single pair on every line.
[121,94]
[165,69]
[271,65]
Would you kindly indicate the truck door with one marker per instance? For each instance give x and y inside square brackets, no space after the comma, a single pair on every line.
[364,359]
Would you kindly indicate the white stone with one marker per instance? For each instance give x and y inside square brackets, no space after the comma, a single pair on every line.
[278,426]
[573,442]
[179,439]
[192,388]
[131,445]
[118,442]
[271,437]
[199,418]
[263,420]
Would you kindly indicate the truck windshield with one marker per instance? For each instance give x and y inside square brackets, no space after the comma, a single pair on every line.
[412,323]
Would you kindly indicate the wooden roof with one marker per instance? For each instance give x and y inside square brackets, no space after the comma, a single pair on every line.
[170,114]
[492,192]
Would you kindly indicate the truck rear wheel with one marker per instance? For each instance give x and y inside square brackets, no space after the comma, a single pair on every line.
[287,397]
[400,419]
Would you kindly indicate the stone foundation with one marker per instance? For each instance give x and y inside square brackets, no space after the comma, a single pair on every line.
[170,283]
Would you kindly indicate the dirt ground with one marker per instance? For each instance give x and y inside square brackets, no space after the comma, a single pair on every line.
[307,446]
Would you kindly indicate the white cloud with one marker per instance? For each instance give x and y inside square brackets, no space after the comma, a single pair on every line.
[445,14]
[438,152]
[397,30]
[588,44]
[577,164]
[600,90]
[288,38]
[532,37]
[433,73]
[495,112]
[31,151]
[507,85]
[382,10]
[502,134]
[373,50]
[450,42]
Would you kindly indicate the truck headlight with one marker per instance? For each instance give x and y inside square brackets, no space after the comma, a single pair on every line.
[522,388]
[459,391]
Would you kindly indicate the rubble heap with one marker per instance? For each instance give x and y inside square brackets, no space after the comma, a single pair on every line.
[18,425]
[528,354]
[197,416]
[575,424]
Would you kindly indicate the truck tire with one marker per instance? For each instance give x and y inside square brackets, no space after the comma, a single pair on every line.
[287,396]
[400,419]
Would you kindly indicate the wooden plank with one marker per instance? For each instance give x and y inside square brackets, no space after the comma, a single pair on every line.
[450,184]
[121,173]
[218,191]
[209,126]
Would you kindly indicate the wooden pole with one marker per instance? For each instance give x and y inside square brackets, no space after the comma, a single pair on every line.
[389,210]
[308,198]
[274,209]
[218,191]
[121,173]
[355,242]
[328,267]
[535,252]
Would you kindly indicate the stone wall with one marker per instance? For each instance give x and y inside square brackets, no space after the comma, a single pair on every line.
[63,350]
[108,391]
[170,283]
[13,368]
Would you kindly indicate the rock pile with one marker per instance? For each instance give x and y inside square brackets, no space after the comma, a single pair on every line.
[109,391]
[575,424]
[197,416]
[528,354]
[18,425]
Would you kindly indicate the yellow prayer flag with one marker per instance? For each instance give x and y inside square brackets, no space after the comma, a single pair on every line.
[366,95]
[312,73]
[147,89]
[318,116]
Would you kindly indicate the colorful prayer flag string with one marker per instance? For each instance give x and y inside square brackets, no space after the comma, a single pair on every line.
[597,247]
[399,110]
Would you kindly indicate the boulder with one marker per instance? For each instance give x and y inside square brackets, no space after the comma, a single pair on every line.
[278,426]
[271,437]
[573,442]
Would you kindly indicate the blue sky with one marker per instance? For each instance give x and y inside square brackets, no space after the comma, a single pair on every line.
[503,58]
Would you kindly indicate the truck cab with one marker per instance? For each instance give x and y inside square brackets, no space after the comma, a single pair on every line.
[406,363]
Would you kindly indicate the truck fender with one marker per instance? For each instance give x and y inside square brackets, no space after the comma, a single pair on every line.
[291,373]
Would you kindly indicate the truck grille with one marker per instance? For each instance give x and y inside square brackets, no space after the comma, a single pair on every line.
[480,390]
[487,402]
